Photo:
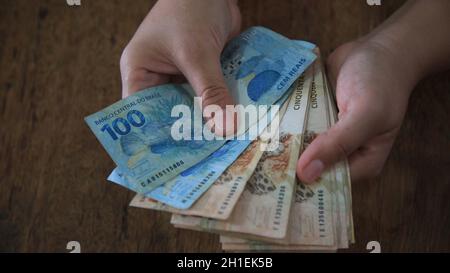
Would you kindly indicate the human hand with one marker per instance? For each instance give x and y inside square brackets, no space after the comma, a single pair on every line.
[373,83]
[373,78]
[182,39]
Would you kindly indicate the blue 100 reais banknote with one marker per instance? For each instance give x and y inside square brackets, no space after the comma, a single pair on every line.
[189,185]
[259,67]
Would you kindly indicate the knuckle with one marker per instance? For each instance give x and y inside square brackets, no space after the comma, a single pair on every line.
[214,90]
[214,95]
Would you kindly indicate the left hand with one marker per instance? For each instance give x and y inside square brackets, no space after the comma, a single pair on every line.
[373,84]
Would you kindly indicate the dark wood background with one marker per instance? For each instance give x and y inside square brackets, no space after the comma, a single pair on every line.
[59,64]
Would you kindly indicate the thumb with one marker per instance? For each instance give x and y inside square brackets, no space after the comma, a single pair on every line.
[336,144]
[204,73]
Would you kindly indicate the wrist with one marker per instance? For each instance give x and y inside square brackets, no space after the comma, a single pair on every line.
[417,34]
[403,55]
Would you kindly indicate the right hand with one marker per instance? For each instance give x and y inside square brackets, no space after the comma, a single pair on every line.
[182,38]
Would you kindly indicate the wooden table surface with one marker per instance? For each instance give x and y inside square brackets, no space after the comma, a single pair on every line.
[59,64]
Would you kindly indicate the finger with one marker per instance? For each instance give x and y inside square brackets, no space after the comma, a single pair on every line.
[334,145]
[203,71]
[135,75]
[236,18]
[336,60]
[139,79]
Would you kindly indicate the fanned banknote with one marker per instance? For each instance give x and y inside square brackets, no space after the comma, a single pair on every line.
[321,214]
[342,171]
[189,185]
[259,66]
[263,208]
[218,202]
[186,188]
[182,191]
[311,220]
[243,188]
[136,132]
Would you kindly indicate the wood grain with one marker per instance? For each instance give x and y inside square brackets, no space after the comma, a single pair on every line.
[59,64]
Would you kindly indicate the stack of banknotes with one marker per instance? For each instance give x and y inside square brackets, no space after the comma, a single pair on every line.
[243,188]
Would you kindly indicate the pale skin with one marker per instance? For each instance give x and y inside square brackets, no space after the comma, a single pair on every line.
[373,76]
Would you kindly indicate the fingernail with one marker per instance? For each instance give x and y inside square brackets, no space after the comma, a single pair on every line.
[313,170]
